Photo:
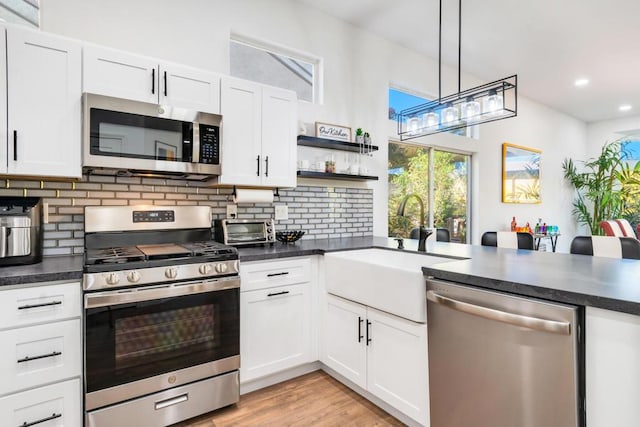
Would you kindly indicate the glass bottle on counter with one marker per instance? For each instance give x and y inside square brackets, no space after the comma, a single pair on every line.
[514,224]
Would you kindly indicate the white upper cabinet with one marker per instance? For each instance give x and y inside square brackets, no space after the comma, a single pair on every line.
[258,134]
[189,88]
[279,123]
[120,74]
[3,104]
[44,104]
[241,132]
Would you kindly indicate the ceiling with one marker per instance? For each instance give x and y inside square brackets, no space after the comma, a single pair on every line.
[548,43]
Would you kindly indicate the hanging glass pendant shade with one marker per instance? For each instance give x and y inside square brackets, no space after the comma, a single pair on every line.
[485,103]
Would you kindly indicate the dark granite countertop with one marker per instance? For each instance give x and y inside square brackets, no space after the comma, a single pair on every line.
[575,279]
[50,269]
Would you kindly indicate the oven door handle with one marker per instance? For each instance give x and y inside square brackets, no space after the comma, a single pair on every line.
[149,293]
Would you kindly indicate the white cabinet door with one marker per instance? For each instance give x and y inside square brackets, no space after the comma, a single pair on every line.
[279,149]
[241,108]
[44,104]
[344,340]
[189,88]
[54,405]
[397,367]
[120,74]
[275,330]
[3,104]
[612,345]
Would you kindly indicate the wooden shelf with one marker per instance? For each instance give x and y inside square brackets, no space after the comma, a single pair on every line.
[312,141]
[344,176]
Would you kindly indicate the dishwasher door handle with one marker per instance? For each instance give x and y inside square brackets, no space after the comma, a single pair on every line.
[553,326]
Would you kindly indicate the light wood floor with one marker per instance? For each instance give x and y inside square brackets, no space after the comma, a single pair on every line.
[314,399]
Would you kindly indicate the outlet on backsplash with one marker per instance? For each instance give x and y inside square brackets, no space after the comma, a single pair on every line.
[232,211]
[281,212]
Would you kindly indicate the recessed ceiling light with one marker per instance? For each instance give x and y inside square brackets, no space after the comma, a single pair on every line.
[625,107]
[581,82]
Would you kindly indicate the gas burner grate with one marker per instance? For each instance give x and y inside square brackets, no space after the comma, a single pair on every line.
[119,255]
[209,248]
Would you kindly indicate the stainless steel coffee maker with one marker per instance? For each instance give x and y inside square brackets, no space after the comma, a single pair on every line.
[21,230]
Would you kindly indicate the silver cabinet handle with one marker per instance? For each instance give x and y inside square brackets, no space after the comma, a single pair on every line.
[44,304]
[173,401]
[553,326]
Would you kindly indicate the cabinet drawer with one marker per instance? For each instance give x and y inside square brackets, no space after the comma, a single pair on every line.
[40,354]
[261,275]
[55,405]
[24,306]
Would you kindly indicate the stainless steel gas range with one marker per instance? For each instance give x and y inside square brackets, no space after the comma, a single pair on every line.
[162,316]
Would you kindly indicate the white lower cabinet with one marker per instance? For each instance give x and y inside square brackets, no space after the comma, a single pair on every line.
[55,405]
[275,317]
[612,368]
[382,353]
[41,361]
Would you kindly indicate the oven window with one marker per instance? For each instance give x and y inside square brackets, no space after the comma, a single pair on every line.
[142,137]
[248,231]
[130,342]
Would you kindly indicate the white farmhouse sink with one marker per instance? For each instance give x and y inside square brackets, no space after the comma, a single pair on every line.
[390,281]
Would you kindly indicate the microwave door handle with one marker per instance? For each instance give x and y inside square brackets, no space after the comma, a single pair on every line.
[195,133]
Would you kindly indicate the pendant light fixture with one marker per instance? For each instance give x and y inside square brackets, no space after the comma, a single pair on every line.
[485,103]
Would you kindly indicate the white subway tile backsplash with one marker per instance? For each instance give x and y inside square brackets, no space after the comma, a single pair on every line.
[320,211]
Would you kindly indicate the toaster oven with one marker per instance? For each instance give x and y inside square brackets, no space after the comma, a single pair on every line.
[238,232]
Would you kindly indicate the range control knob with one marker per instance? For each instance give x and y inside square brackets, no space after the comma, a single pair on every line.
[171,273]
[133,276]
[113,279]
[221,268]
[205,269]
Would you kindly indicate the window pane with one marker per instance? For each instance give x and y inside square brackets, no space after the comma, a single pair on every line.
[275,69]
[20,12]
[451,191]
[631,149]
[408,173]
[399,100]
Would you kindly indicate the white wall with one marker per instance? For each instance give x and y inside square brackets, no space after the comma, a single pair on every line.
[358,68]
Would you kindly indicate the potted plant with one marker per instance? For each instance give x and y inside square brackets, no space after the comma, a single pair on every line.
[367,138]
[359,136]
[606,186]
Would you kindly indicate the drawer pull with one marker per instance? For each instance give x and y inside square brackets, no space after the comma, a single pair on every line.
[44,420]
[44,304]
[43,356]
[278,293]
[173,401]
[284,273]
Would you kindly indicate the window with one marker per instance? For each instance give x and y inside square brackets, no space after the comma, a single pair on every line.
[280,67]
[631,149]
[445,187]
[21,12]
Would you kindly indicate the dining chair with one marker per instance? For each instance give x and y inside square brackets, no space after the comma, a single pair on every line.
[611,228]
[625,226]
[508,239]
[606,246]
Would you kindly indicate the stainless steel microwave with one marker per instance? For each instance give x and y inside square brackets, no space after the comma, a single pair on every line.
[244,231]
[120,135]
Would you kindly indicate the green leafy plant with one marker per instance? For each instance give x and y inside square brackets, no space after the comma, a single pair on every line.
[606,186]
[359,132]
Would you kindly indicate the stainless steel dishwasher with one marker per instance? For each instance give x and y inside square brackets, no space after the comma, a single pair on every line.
[501,360]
